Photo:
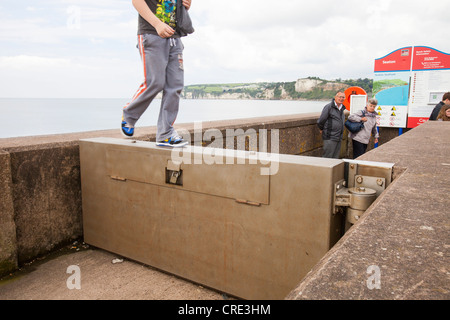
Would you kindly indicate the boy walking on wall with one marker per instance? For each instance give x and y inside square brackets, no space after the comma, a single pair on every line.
[161,52]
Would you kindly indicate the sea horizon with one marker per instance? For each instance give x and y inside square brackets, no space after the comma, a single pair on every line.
[46,116]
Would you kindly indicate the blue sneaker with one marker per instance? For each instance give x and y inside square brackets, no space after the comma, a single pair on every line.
[176,141]
[127,130]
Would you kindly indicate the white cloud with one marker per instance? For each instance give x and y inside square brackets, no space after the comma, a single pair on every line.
[41,77]
[290,39]
[30,63]
[91,44]
[282,41]
[76,19]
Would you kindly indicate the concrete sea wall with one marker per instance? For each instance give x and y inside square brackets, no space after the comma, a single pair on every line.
[397,250]
[40,199]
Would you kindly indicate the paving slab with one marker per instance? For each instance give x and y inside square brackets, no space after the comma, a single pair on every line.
[80,272]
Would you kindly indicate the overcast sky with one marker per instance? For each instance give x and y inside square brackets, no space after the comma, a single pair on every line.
[87,48]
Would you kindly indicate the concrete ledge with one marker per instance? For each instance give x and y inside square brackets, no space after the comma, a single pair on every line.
[404,233]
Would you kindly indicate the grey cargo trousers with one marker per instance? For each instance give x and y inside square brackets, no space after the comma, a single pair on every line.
[163,71]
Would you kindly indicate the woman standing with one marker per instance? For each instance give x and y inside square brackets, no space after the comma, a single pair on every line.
[361,139]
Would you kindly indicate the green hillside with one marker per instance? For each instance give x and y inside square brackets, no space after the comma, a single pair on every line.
[273,90]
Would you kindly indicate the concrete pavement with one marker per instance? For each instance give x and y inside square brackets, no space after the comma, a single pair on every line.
[102,276]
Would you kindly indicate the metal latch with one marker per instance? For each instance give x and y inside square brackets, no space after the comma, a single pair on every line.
[174,173]
[174,177]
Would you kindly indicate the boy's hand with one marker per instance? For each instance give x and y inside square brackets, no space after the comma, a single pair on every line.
[187,4]
[164,30]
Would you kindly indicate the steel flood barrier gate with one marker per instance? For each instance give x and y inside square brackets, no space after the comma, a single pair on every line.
[248,225]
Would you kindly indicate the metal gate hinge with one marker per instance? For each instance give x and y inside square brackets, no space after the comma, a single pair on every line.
[341,197]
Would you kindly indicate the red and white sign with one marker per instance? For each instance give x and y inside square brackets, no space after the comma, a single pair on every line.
[430,59]
[429,71]
[416,121]
[399,60]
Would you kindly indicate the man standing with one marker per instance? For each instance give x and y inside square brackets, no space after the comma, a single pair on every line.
[437,108]
[331,126]
[161,51]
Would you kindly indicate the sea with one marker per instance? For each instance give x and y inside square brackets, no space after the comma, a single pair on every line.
[33,117]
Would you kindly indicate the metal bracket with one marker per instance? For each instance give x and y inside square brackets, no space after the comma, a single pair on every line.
[341,196]
[373,175]
[376,183]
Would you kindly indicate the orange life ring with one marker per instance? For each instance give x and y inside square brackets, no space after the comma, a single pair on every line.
[352,91]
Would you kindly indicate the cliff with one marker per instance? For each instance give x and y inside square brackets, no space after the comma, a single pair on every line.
[311,88]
